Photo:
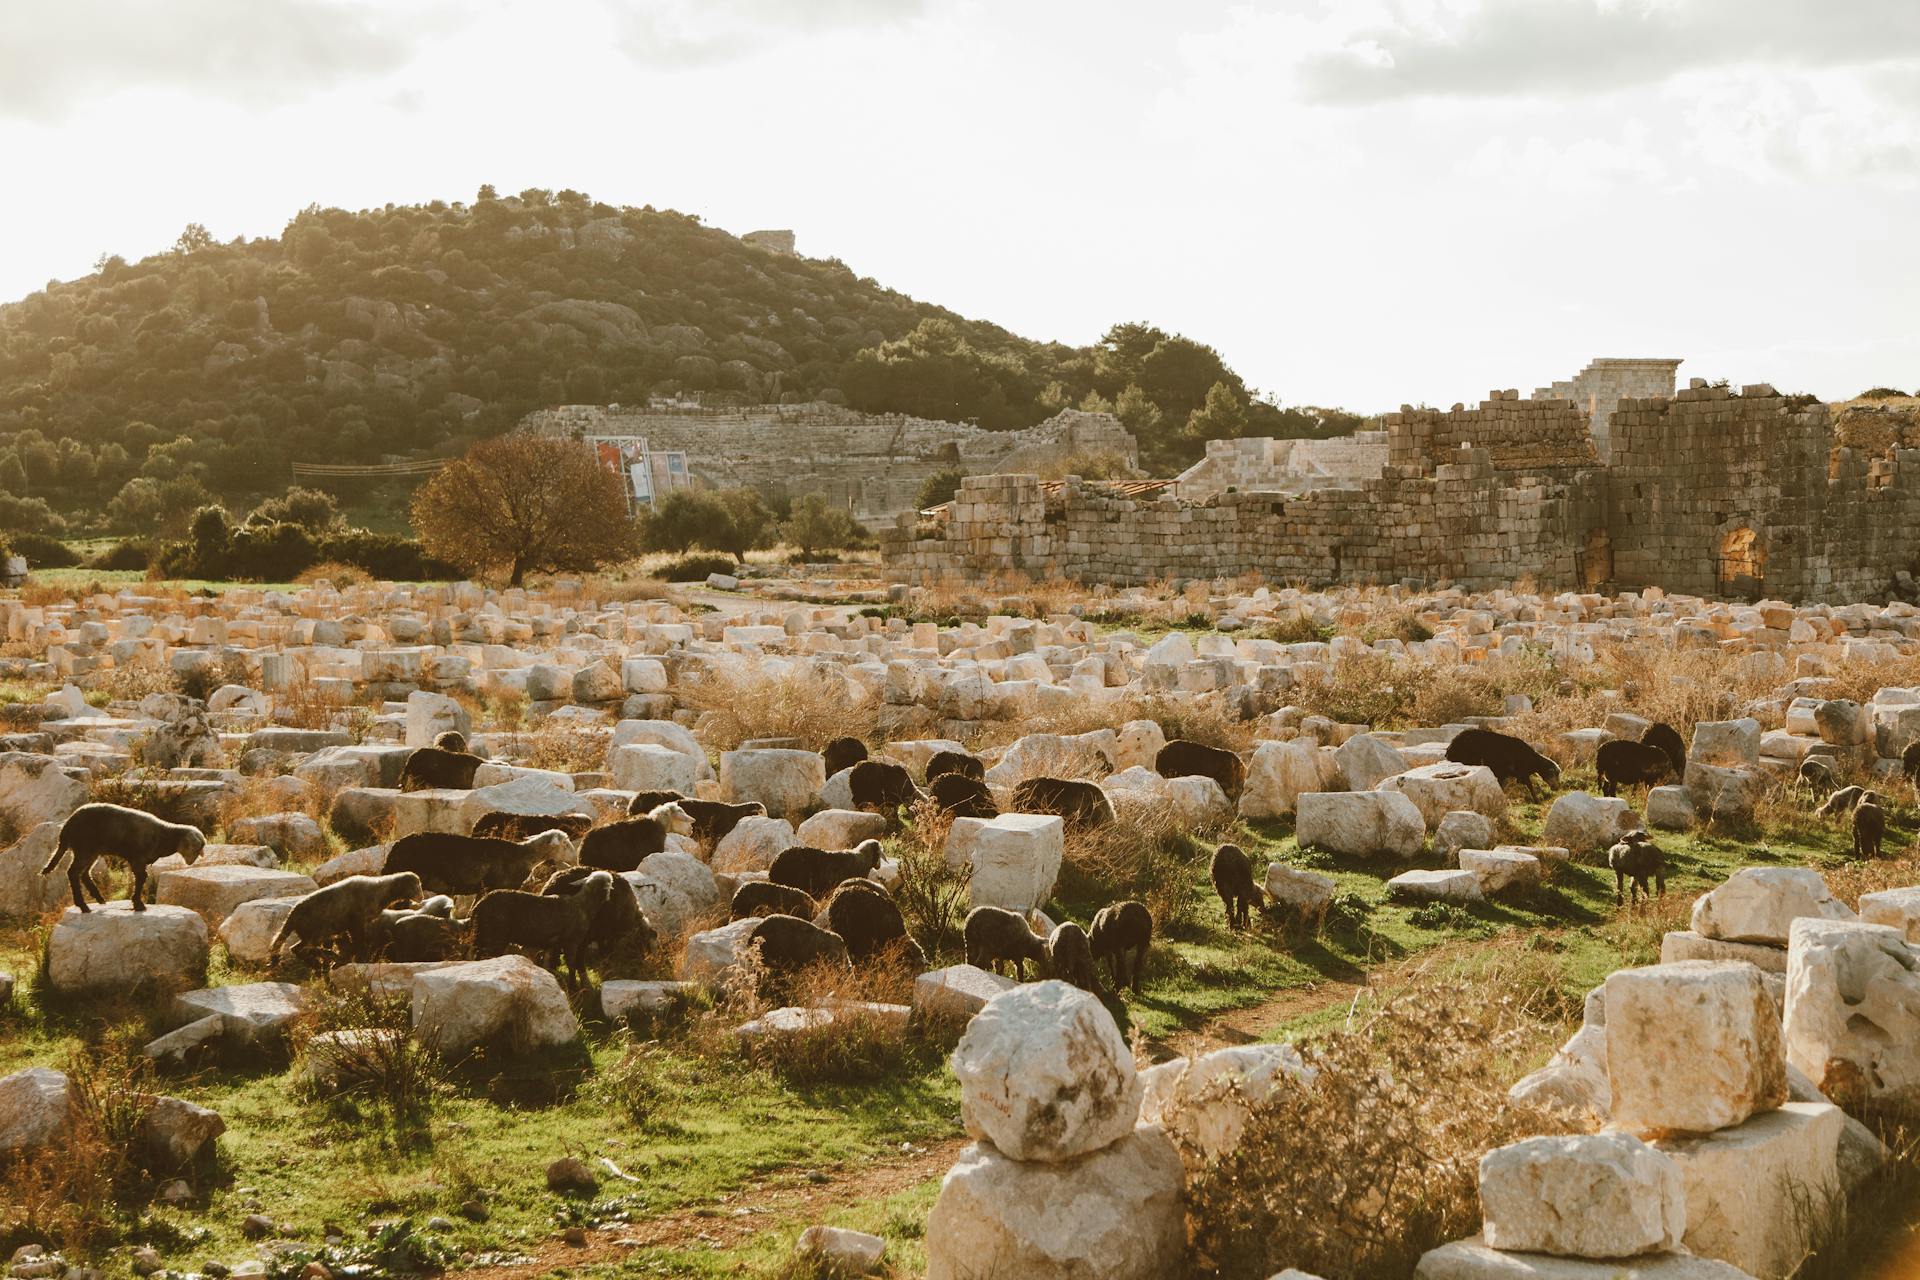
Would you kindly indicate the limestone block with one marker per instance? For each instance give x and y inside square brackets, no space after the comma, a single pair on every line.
[115,950]
[711,953]
[252,1014]
[1499,869]
[1853,1010]
[1303,894]
[663,733]
[1729,791]
[1115,1214]
[1436,886]
[1366,761]
[432,714]
[1604,1195]
[249,928]
[623,998]
[1207,1101]
[24,892]
[533,796]
[647,766]
[37,1109]
[1898,908]
[1197,803]
[1586,824]
[1691,1047]
[1360,823]
[438,809]
[1670,808]
[1462,829]
[294,836]
[1045,1074]
[1014,858]
[1279,773]
[215,891]
[787,782]
[508,1002]
[1438,789]
[753,844]
[1727,743]
[957,992]
[840,829]
[1760,904]
[1474,1259]
[1137,744]
[1685,944]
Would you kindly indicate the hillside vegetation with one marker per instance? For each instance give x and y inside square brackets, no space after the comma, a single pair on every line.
[130,396]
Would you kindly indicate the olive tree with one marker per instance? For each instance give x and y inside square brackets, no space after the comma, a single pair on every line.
[519,503]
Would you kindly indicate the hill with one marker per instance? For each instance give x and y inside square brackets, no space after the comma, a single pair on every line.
[409,331]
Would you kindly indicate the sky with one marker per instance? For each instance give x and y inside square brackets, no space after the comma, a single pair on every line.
[1358,203]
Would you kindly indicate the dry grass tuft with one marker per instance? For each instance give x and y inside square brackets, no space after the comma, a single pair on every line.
[388,1079]
[130,683]
[811,706]
[566,746]
[338,575]
[1149,857]
[1377,1160]
[931,895]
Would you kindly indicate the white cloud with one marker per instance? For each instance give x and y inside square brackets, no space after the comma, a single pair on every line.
[678,32]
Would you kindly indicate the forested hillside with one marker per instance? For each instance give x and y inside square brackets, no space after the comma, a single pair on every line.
[131,395]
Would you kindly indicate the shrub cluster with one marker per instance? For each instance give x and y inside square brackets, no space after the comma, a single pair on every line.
[280,551]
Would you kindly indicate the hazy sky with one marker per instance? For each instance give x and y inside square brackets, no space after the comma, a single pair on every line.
[1358,203]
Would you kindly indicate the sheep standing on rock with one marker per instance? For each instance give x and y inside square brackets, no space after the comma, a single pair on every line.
[1511,759]
[1637,858]
[623,845]
[1183,758]
[432,768]
[138,839]
[946,763]
[348,908]
[995,935]
[1841,801]
[464,865]
[963,797]
[1070,957]
[1080,804]
[842,753]
[1121,935]
[765,898]
[817,871]
[1630,764]
[1232,873]
[558,927]
[1869,826]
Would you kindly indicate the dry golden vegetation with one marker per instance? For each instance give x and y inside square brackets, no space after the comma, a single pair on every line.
[809,706]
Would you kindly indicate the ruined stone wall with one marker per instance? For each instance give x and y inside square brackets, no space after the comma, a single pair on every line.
[1596,389]
[1534,437]
[875,464]
[1286,466]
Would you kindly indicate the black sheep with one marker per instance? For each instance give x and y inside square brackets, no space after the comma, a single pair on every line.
[712,819]
[1639,859]
[525,826]
[1511,759]
[1121,935]
[558,927]
[1818,773]
[843,753]
[1070,957]
[430,769]
[450,740]
[787,945]
[1081,804]
[765,898]
[945,763]
[1841,801]
[1910,764]
[617,922]
[818,871]
[1667,738]
[995,935]
[863,913]
[880,786]
[1183,758]
[623,845]
[963,797]
[463,865]
[1232,874]
[1627,764]
[1869,826]
[648,801]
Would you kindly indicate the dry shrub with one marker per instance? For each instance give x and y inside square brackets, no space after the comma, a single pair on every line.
[1852,879]
[256,798]
[1376,1161]
[337,574]
[133,791]
[931,895]
[812,707]
[37,595]
[200,682]
[302,704]
[131,683]
[65,1196]
[1146,856]
[1680,687]
[609,589]
[1206,720]
[1297,627]
[566,746]
[1870,1231]
[1369,688]
[1375,617]
[389,1078]
[1636,928]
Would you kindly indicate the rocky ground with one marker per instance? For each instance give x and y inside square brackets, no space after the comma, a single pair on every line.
[278,722]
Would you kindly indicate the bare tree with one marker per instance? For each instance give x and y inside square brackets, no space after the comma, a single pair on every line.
[517,503]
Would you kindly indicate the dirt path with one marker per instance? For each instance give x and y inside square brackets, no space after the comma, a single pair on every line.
[739,1216]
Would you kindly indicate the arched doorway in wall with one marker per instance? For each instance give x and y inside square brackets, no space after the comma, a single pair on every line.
[1596,559]
[1740,568]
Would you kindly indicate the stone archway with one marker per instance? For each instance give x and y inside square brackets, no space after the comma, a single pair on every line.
[1596,559]
[1740,568]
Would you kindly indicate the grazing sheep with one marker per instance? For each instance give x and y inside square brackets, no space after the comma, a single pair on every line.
[1818,773]
[947,763]
[881,786]
[615,923]
[1081,804]
[995,935]
[450,740]
[712,819]
[863,913]
[1121,935]
[1637,858]
[464,865]
[1841,801]
[1070,957]
[963,797]
[816,871]
[1510,758]
[425,932]
[349,907]
[138,839]
[1667,738]
[430,768]
[842,753]
[788,945]
[765,898]
[525,826]
[1183,758]
[1869,826]
[557,927]
[1628,764]
[620,846]
[1232,873]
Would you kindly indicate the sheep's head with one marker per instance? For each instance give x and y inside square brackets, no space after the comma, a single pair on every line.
[1552,772]
[675,819]
[598,886]
[554,846]
[404,886]
[868,851]
[438,905]
[191,845]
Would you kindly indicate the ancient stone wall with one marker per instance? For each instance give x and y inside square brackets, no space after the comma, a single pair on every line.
[875,464]
[1709,493]
[1596,389]
[1284,466]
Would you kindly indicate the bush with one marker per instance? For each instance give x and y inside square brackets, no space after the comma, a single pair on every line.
[134,554]
[940,487]
[43,552]
[817,525]
[695,568]
[386,555]
[1882,393]
[735,521]
[813,707]
[312,510]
